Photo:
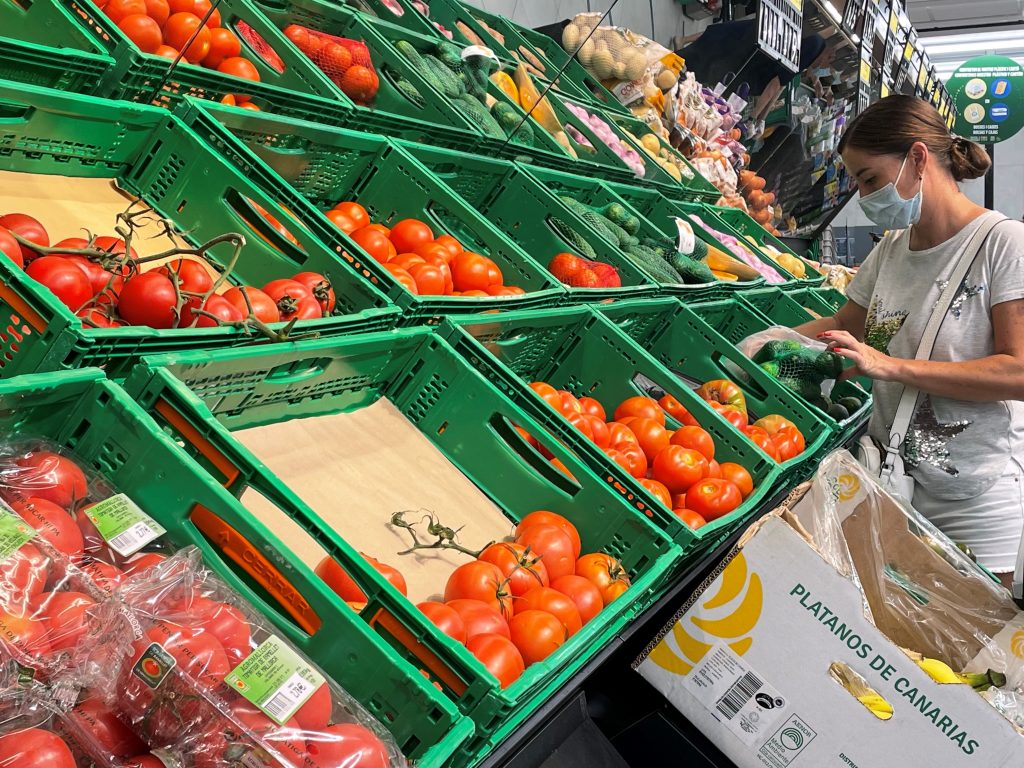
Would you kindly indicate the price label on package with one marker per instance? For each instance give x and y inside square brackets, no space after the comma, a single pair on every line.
[14,532]
[275,679]
[123,525]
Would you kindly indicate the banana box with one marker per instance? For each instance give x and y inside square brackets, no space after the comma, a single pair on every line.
[775,660]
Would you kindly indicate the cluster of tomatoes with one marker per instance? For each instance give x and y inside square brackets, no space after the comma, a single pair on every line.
[520,600]
[173,28]
[107,290]
[346,62]
[677,467]
[55,589]
[422,263]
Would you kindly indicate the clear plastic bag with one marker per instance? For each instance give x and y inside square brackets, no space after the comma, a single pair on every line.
[751,345]
[921,590]
[200,675]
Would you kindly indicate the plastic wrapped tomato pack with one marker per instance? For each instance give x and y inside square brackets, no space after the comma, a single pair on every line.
[202,678]
[67,541]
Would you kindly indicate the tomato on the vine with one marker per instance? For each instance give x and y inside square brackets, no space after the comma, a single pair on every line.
[552,544]
[27,228]
[68,283]
[263,307]
[149,299]
[523,568]
[197,315]
[321,289]
[192,276]
[293,299]
[10,247]
[481,581]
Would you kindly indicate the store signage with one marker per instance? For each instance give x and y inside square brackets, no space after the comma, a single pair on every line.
[988,92]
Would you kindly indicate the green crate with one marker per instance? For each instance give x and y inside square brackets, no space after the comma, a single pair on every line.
[152,155]
[735,319]
[696,188]
[410,18]
[80,24]
[739,224]
[468,420]
[517,204]
[310,167]
[597,194]
[781,307]
[58,68]
[696,352]
[103,426]
[824,301]
[583,352]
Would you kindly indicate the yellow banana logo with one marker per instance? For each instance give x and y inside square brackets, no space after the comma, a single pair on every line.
[740,595]
[1017,643]
[849,487]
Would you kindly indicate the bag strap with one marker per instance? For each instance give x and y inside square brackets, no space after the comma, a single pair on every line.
[965,260]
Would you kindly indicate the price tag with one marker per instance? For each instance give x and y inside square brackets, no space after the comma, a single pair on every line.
[123,525]
[275,679]
[14,532]
[687,239]
[865,72]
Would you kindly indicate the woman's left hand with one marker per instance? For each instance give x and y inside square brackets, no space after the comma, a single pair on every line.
[867,361]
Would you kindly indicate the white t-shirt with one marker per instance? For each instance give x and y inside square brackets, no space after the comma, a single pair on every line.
[955,449]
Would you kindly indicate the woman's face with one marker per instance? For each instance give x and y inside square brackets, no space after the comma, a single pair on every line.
[873,172]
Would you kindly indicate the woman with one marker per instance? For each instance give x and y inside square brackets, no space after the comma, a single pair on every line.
[966,441]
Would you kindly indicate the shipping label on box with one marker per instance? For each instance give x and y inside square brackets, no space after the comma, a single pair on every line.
[749,663]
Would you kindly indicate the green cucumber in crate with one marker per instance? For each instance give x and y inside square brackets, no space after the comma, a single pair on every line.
[685,344]
[467,421]
[582,352]
[311,167]
[150,154]
[97,420]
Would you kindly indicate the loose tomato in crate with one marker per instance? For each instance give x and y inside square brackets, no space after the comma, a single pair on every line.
[197,673]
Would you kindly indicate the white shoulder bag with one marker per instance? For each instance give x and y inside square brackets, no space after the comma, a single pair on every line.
[887,462]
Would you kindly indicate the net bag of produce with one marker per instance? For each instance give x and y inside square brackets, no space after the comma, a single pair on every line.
[67,541]
[198,674]
[346,62]
[919,588]
[802,365]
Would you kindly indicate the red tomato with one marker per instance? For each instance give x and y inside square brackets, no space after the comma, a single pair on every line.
[141,30]
[23,576]
[593,407]
[724,392]
[28,228]
[445,618]
[696,439]
[116,10]
[481,581]
[10,247]
[158,10]
[651,435]
[225,622]
[263,307]
[678,468]
[97,719]
[407,234]
[54,525]
[642,407]
[342,584]
[619,458]
[553,544]
[430,279]
[569,403]
[789,442]
[241,67]
[100,280]
[341,221]
[315,714]
[334,58]
[554,602]
[293,299]
[198,653]
[479,618]
[734,416]
[148,299]
[471,271]
[658,491]
[713,498]
[763,440]
[523,569]
[548,393]
[501,658]
[601,434]
[67,282]
[690,517]
[192,275]
[143,761]
[537,634]
[63,615]
[451,244]
[635,457]
[223,313]
[738,476]
[356,213]
[50,476]
[403,277]
[618,433]
[201,7]
[544,517]
[142,562]
[34,747]
[345,745]
[92,317]
[105,576]
[604,572]
[24,637]
[182,27]
[321,289]
[172,53]
[773,423]
[581,422]
[374,242]
[676,410]
[583,593]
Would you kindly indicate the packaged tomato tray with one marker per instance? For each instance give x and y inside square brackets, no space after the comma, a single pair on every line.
[205,681]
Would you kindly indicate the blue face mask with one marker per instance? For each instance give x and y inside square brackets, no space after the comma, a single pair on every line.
[886,208]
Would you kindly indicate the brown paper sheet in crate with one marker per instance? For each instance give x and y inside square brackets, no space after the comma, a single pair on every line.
[354,470]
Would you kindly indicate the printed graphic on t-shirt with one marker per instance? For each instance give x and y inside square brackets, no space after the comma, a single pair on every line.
[966,292]
[928,439]
[882,325]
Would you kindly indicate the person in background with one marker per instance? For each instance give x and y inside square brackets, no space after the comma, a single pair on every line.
[966,440]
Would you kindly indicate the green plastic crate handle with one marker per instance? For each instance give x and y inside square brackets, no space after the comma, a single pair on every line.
[246,213]
[15,111]
[511,436]
[290,373]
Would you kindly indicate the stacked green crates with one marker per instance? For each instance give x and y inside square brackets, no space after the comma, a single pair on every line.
[59,68]
[465,418]
[152,155]
[82,411]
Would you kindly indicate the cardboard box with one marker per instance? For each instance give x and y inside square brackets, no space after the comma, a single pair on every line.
[748,659]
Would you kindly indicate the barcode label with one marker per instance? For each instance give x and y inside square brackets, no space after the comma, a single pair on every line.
[135,538]
[738,695]
[288,698]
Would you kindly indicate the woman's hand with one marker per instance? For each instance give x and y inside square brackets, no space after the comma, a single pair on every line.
[867,361]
